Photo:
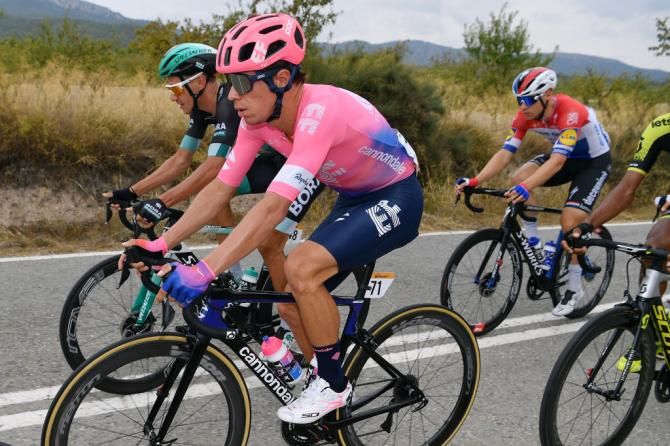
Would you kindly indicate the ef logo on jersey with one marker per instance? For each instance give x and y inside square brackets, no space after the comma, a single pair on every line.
[384,217]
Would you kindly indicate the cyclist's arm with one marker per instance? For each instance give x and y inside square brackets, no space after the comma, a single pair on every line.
[257,225]
[206,205]
[496,164]
[170,170]
[546,171]
[195,182]
[617,200]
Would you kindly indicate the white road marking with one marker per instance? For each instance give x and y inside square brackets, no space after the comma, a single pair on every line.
[36,417]
[197,248]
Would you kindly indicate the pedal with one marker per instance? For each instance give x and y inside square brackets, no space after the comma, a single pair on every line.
[305,434]
[532,290]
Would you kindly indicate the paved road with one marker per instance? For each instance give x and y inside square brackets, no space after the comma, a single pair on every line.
[517,357]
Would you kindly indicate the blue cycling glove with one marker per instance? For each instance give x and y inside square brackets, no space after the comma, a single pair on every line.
[185,283]
[521,190]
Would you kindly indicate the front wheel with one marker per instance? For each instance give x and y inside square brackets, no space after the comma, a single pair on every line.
[97,313]
[435,351]
[582,404]
[472,289]
[594,286]
[214,411]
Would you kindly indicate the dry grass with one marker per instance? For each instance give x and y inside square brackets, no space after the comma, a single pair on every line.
[74,134]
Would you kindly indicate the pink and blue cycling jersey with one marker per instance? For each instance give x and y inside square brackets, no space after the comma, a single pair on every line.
[339,138]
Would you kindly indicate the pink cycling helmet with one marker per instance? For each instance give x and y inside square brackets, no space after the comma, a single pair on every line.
[258,42]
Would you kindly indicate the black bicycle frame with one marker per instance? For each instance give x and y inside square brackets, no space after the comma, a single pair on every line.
[207,317]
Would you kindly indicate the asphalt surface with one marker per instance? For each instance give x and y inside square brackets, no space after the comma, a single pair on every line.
[516,360]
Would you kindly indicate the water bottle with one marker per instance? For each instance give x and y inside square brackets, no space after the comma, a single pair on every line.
[249,279]
[549,253]
[281,359]
[536,244]
[285,334]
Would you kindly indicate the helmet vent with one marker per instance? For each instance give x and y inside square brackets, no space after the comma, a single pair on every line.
[226,59]
[246,51]
[238,32]
[269,29]
[298,39]
[274,47]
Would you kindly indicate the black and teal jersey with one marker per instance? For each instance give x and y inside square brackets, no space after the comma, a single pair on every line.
[225,122]
[654,140]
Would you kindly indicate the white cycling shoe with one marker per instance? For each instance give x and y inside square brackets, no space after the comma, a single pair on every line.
[315,402]
[567,304]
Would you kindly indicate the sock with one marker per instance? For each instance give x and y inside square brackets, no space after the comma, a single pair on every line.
[328,358]
[530,227]
[236,270]
[574,277]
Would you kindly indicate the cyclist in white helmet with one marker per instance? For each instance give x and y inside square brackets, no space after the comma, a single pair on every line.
[580,155]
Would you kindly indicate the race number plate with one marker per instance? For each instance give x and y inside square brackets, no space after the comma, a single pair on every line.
[379,284]
[296,235]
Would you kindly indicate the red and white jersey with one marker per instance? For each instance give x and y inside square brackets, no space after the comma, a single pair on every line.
[573,129]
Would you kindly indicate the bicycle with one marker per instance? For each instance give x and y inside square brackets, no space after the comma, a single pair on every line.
[98,309]
[600,383]
[483,276]
[418,362]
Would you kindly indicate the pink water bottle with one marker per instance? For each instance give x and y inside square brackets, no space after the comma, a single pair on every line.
[281,358]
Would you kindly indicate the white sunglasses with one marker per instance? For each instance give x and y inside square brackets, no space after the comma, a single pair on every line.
[178,88]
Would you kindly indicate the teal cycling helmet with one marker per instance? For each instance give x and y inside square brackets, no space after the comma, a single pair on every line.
[186,59]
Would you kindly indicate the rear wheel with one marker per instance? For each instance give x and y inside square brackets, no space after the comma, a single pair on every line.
[437,353]
[594,285]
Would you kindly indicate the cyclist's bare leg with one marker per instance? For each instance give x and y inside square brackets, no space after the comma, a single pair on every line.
[659,237]
[571,217]
[307,268]
[272,250]
[224,218]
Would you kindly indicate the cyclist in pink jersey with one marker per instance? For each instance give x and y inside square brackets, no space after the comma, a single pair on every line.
[580,155]
[326,133]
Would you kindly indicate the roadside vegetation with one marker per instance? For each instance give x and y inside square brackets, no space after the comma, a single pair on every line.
[85,115]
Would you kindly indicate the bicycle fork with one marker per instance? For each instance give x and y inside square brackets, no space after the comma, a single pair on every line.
[615,394]
[189,365]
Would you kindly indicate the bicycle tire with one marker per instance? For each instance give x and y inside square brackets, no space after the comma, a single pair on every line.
[483,308]
[593,291]
[84,330]
[583,351]
[103,415]
[449,339]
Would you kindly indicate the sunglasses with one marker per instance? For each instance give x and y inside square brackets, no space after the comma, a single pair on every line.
[244,83]
[527,100]
[178,88]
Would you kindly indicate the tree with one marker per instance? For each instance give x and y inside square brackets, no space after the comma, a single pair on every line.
[155,38]
[499,50]
[663,35]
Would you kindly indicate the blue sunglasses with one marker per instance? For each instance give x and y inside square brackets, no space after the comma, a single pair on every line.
[527,100]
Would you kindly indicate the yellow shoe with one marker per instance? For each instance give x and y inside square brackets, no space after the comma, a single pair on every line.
[635,366]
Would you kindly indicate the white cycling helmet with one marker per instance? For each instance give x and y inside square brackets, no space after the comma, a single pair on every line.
[534,82]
